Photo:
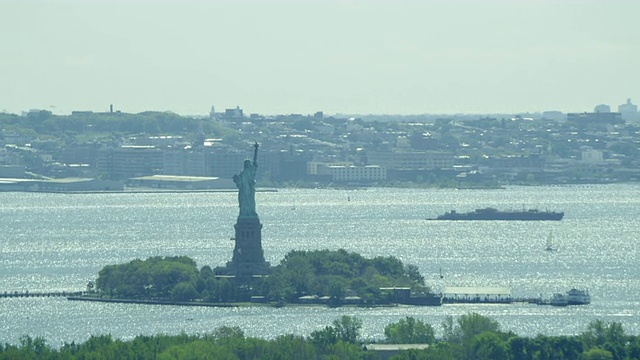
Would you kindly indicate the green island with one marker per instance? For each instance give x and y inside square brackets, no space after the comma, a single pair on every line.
[301,276]
[470,336]
[334,278]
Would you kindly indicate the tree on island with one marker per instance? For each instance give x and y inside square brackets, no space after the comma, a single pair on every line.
[333,273]
[155,277]
[300,273]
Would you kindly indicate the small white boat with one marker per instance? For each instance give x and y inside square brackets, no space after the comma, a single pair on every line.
[578,297]
[571,297]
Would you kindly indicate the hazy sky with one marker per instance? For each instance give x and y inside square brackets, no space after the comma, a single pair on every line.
[282,57]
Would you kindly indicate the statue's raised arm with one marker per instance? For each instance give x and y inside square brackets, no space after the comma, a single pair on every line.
[255,154]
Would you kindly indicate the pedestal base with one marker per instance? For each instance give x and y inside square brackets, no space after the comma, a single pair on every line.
[244,270]
[248,257]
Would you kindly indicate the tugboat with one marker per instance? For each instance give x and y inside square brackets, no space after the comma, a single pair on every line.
[495,214]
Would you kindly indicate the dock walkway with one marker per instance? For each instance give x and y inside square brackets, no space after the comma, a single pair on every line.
[507,300]
[22,294]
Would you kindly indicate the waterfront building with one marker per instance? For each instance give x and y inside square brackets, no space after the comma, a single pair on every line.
[324,168]
[61,185]
[86,153]
[181,182]
[412,160]
[129,161]
[184,162]
[222,162]
[368,173]
[287,165]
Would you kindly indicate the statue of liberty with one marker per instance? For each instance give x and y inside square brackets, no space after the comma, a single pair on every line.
[246,183]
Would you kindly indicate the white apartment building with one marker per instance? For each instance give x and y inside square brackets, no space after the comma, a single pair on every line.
[324,168]
[359,173]
[412,160]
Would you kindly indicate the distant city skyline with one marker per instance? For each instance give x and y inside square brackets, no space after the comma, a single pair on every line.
[348,57]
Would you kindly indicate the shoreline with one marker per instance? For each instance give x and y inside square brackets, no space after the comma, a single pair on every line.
[209,304]
[158,302]
[138,191]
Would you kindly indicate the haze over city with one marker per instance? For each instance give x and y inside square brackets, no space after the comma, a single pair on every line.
[351,57]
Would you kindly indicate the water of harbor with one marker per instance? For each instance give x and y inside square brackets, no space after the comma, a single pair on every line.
[59,242]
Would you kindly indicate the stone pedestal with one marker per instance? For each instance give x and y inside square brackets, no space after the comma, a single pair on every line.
[248,257]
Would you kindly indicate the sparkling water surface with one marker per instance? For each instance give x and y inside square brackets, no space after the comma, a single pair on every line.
[55,242]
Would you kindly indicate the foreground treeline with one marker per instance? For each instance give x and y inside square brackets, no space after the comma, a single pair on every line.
[322,273]
[471,336]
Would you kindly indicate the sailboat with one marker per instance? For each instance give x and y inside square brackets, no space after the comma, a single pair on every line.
[550,243]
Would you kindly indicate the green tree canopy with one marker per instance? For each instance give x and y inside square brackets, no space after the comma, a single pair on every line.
[332,273]
[409,331]
[154,277]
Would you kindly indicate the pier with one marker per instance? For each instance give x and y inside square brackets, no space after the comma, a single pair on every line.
[23,294]
[484,300]
[486,295]
[478,300]
[454,296]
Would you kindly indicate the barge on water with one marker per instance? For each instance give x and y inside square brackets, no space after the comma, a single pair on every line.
[495,214]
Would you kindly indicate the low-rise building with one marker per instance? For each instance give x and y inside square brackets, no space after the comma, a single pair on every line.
[181,182]
[324,168]
[183,162]
[412,160]
[61,185]
[368,173]
[129,161]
